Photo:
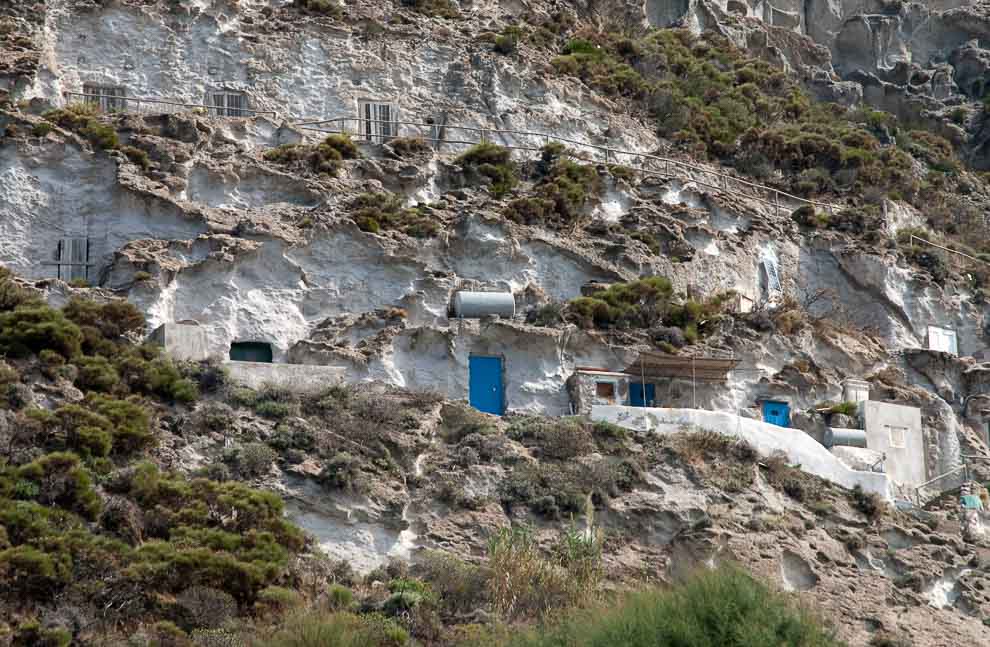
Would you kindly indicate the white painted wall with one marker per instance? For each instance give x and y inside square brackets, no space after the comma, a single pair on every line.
[801,449]
[887,424]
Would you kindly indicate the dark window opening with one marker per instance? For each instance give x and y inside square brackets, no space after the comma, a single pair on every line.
[109,98]
[229,104]
[251,351]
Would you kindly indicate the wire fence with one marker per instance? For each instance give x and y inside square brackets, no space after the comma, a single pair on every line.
[139,105]
[378,131]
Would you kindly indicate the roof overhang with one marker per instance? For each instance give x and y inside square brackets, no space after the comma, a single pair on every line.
[661,365]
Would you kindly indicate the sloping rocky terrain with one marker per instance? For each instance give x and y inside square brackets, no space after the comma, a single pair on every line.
[345,252]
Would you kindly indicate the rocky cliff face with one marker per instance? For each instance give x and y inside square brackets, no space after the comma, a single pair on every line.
[190,216]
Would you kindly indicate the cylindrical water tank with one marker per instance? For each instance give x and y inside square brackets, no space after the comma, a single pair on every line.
[474,305]
[845,437]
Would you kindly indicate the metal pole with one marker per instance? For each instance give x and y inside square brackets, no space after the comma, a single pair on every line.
[694,383]
[642,371]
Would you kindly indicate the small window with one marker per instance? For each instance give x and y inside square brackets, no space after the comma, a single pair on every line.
[72,257]
[898,437]
[229,104]
[109,98]
[605,392]
[943,340]
[377,121]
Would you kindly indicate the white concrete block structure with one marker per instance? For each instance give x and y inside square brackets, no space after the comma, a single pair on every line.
[895,430]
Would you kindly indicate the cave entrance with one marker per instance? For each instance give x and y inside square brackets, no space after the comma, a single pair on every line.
[251,351]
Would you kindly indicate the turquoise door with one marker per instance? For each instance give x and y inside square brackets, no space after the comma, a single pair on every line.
[637,393]
[485,385]
[777,413]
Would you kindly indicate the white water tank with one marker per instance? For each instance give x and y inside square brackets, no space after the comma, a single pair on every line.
[474,305]
[844,437]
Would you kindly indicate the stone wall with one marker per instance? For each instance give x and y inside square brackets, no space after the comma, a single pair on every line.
[298,378]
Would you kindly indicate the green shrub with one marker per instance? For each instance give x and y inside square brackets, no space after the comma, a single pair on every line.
[31,571]
[314,629]
[272,409]
[278,600]
[564,191]
[41,129]
[404,146]
[114,319]
[31,329]
[205,607]
[255,459]
[461,587]
[492,162]
[868,503]
[83,119]
[725,607]
[639,304]
[845,408]
[507,43]
[130,422]
[63,481]
[13,295]
[32,634]
[343,472]
[326,157]
[436,8]
[137,156]
[374,212]
[96,374]
[339,597]
[557,438]
[525,584]
[331,8]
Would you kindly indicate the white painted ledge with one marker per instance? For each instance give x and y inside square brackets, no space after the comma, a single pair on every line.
[801,449]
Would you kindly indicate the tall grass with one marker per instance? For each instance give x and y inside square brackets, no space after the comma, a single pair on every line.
[723,608]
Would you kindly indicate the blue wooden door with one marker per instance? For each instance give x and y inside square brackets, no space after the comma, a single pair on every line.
[636,395]
[485,386]
[777,413]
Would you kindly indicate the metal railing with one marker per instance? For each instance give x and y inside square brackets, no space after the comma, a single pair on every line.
[161,106]
[913,238]
[380,131]
[964,468]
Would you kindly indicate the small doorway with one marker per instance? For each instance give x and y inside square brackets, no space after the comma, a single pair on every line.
[251,351]
[777,413]
[485,384]
[642,395]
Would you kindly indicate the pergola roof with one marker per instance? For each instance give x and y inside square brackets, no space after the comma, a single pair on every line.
[704,369]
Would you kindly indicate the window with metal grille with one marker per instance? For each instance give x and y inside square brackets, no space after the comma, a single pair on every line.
[72,256]
[377,121]
[898,436]
[229,104]
[109,98]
